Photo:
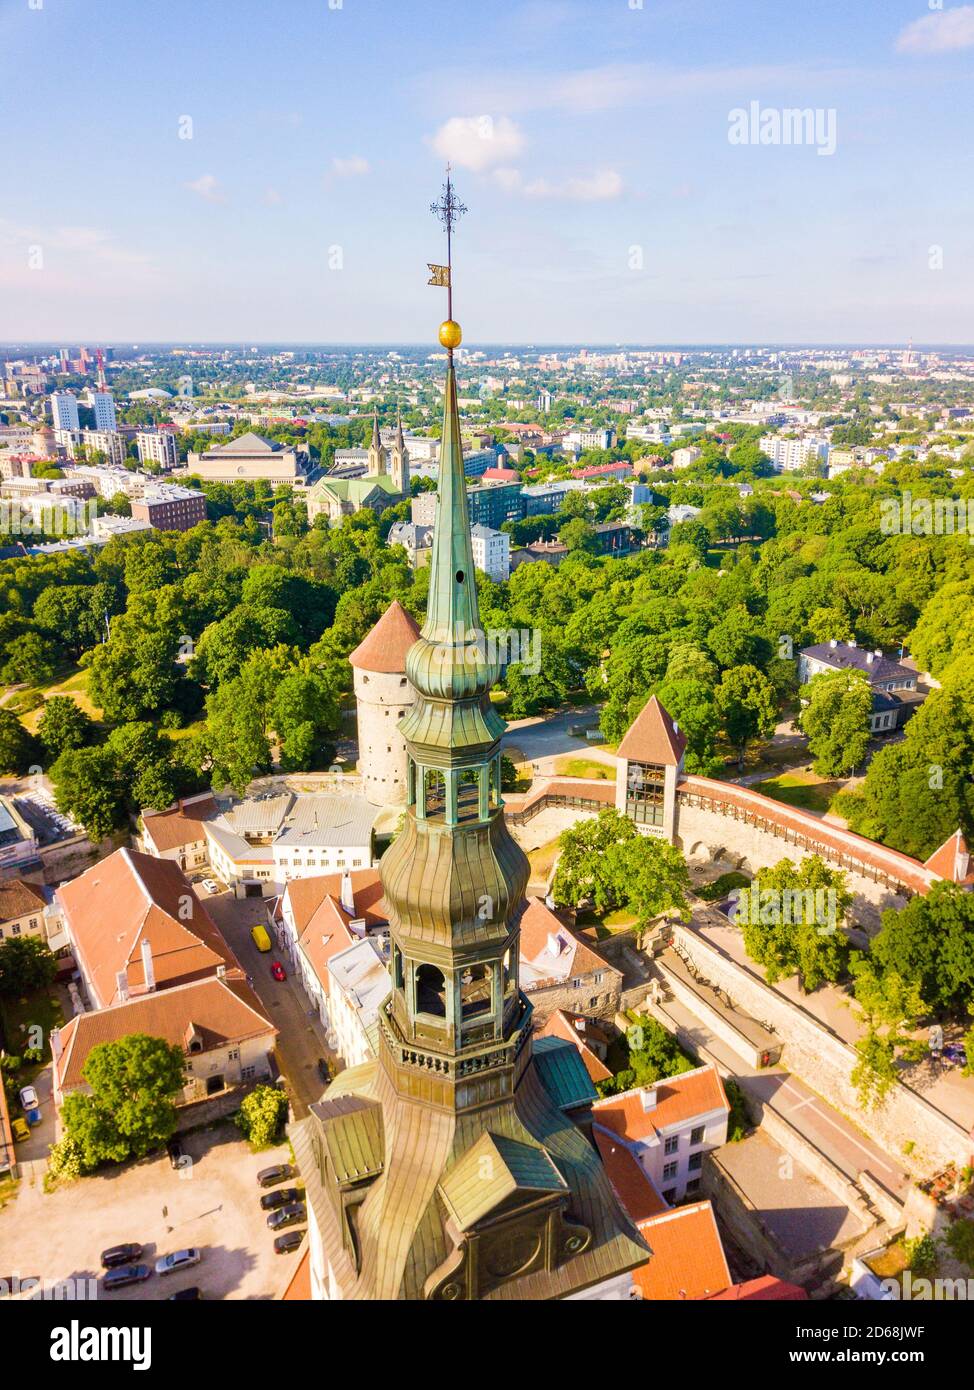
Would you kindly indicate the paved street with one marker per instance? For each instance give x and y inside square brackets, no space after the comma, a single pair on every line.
[301,1040]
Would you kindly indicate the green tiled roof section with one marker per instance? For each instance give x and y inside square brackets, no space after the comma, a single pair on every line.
[491,1171]
[452,726]
[562,1073]
[354,489]
[353,1134]
[452,601]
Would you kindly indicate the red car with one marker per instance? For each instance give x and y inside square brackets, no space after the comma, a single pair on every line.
[277,970]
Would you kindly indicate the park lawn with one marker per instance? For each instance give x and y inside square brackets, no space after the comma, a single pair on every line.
[585,767]
[18,1014]
[804,789]
[75,685]
[189,732]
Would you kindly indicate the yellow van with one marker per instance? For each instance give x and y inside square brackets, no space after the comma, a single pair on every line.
[260,938]
[21,1130]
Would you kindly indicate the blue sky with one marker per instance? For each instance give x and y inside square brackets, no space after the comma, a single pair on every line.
[589,139]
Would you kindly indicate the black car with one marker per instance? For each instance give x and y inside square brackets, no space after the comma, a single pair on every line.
[287,1216]
[323,1071]
[120,1255]
[290,1240]
[270,1177]
[282,1197]
[127,1274]
[186,1295]
[175,1151]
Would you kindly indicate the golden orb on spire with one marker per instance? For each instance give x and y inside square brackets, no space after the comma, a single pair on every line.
[451,335]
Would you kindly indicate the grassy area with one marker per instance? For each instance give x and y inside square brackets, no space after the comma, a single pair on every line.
[803,789]
[606,924]
[73,684]
[189,732]
[542,861]
[585,767]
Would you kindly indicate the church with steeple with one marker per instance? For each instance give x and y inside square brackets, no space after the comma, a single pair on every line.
[447,1168]
[386,481]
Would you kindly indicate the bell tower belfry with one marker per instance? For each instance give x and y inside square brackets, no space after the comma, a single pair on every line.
[377,450]
[445,1169]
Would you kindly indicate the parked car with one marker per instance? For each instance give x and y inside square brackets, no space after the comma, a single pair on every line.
[123,1276]
[33,1117]
[281,1198]
[186,1295]
[120,1255]
[211,885]
[29,1098]
[955,1054]
[179,1259]
[287,1216]
[290,1240]
[270,1177]
[277,970]
[21,1130]
[323,1071]
[175,1151]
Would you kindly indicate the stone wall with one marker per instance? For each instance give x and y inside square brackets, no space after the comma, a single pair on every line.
[825,1062]
[708,835]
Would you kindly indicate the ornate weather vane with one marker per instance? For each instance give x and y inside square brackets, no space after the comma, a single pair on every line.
[448,210]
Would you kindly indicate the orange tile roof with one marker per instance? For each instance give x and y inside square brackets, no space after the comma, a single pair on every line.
[299,1288]
[679,1099]
[652,737]
[560,1025]
[765,1289]
[385,647]
[18,897]
[538,922]
[221,1011]
[630,1184]
[180,825]
[132,897]
[688,1259]
[307,894]
[952,860]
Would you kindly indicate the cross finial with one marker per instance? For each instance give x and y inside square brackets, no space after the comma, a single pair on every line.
[449,209]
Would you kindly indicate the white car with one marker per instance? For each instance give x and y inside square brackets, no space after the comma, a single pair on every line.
[28,1098]
[211,885]
[179,1259]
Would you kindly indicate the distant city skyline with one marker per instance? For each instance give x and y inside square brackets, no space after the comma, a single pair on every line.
[234,175]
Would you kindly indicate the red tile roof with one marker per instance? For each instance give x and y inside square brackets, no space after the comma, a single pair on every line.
[679,1100]
[653,737]
[180,825]
[688,1259]
[764,1289]
[952,860]
[538,923]
[630,1184]
[385,647]
[18,898]
[132,897]
[299,1288]
[220,1011]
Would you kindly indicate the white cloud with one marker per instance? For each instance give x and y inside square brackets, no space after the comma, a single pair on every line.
[945,31]
[208,188]
[478,142]
[353,167]
[591,188]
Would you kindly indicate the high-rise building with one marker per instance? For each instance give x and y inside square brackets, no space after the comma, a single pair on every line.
[446,1168]
[104,406]
[64,411]
[158,447]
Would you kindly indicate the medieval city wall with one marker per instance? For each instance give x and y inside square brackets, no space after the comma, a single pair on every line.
[704,834]
[824,1062]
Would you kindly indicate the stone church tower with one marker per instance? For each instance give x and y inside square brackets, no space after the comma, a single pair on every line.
[383,696]
[376,465]
[399,461]
[446,1169]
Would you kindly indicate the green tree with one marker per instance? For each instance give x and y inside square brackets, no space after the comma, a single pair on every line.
[262,1115]
[607,862]
[745,698]
[26,965]
[63,724]
[652,1054]
[86,787]
[17,748]
[792,921]
[835,716]
[131,1110]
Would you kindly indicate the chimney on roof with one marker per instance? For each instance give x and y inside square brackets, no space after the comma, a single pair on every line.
[869,658]
[148,969]
[648,1097]
[348,895]
[833,643]
[122,986]
[852,642]
[554,943]
[221,972]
